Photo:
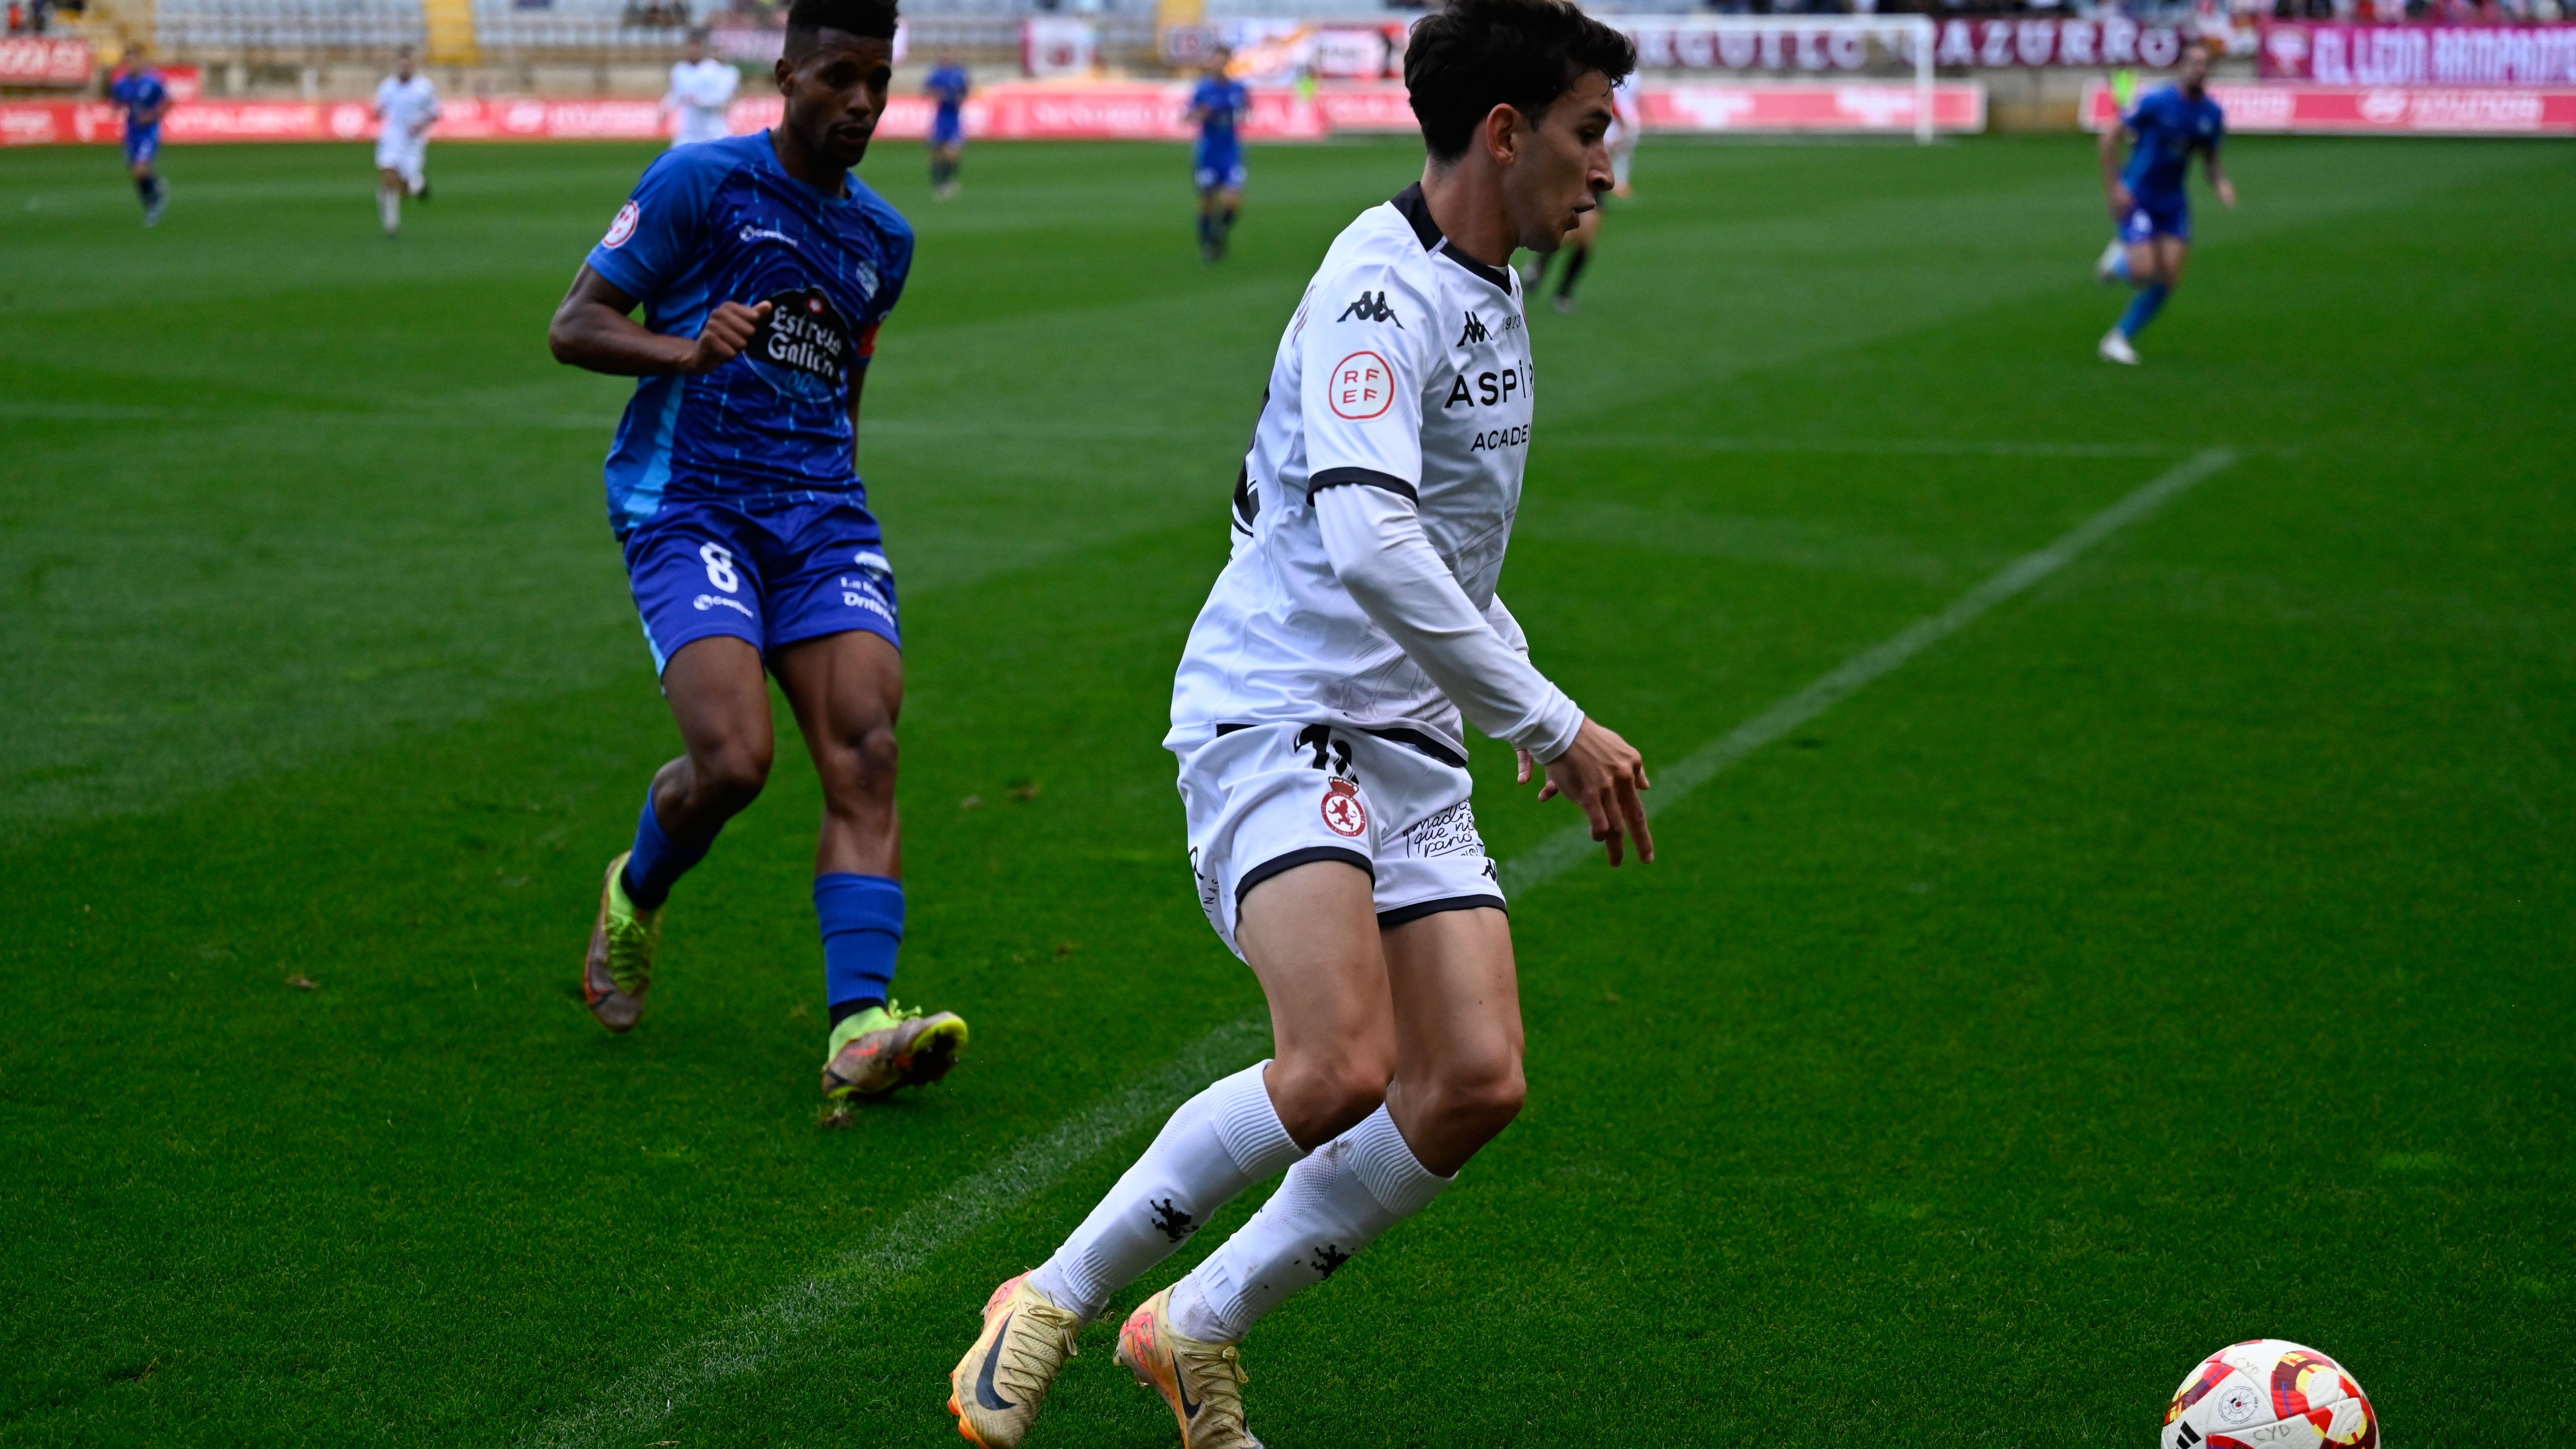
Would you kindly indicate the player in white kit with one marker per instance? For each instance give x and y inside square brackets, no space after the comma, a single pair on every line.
[701,92]
[406,107]
[1319,719]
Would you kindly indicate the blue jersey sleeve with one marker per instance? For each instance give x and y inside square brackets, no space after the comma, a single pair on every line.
[661,231]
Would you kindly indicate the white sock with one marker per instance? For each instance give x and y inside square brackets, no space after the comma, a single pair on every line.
[389,207]
[1220,1142]
[1352,1189]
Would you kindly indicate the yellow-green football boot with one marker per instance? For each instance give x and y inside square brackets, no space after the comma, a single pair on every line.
[1202,1381]
[620,968]
[890,1046]
[997,1388]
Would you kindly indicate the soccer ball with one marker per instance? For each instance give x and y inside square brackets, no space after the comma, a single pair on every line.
[2267,1393]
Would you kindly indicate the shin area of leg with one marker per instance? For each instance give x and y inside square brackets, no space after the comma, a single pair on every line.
[1219,1143]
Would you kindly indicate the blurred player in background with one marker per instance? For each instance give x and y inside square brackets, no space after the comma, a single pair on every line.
[948,85]
[1217,108]
[137,91]
[1320,721]
[701,92]
[1622,140]
[764,268]
[2149,203]
[406,107]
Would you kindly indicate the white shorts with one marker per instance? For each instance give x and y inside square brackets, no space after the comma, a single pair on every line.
[402,155]
[1265,798]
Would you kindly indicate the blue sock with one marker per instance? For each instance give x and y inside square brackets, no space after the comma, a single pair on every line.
[862,918]
[2143,308]
[656,864]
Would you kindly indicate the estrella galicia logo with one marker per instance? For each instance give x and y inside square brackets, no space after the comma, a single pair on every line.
[1473,332]
[803,349]
[1371,307]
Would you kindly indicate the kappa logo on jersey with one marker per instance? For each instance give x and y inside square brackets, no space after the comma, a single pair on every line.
[1472,333]
[1344,815]
[1362,387]
[1490,388]
[623,227]
[1371,307]
[805,340]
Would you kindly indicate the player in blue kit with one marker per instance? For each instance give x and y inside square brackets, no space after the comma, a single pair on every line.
[948,86]
[137,91]
[764,268]
[1217,107]
[2148,203]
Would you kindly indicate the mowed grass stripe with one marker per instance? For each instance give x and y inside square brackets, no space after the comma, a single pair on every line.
[1559,852]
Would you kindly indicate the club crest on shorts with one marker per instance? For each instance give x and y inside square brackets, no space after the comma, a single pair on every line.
[1344,815]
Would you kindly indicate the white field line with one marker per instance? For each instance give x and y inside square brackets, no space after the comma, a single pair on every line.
[752,1339]
[1559,852]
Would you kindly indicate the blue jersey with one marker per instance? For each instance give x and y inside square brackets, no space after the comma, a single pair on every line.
[723,221]
[136,92]
[2170,126]
[1222,104]
[948,85]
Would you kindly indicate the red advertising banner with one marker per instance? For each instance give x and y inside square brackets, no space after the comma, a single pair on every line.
[2419,55]
[29,60]
[1106,112]
[2314,110]
[1853,106]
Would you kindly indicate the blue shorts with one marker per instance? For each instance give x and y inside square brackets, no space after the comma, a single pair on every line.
[947,130]
[2156,216]
[1218,168]
[141,146]
[768,574]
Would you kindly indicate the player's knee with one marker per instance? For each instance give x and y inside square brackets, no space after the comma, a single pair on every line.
[863,763]
[1321,1096]
[732,773]
[1481,1098]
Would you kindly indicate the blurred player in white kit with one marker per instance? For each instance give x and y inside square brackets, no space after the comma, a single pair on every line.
[407,105]
[701,92]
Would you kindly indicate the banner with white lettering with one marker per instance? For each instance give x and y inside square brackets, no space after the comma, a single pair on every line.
[1992,44]
[2287,108]
[1106,111]
[2419,55]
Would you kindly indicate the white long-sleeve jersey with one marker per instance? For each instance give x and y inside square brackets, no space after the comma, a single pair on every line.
[1375,506]
[701,94]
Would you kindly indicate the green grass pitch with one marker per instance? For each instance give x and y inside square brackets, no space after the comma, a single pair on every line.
[2178,954]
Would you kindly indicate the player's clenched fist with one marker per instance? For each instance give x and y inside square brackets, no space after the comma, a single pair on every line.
[1604,774]
[729,330]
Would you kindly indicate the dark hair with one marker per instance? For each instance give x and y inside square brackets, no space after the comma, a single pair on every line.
[1470,56]
[808,19]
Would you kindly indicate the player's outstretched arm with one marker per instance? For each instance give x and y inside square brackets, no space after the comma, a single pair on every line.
[594,329]
[1374,539]
[2115,188]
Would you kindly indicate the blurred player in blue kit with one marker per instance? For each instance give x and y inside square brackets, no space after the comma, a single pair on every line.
[764,268]
[1217,107]
[137,91]
[948,85]
[2149,204]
